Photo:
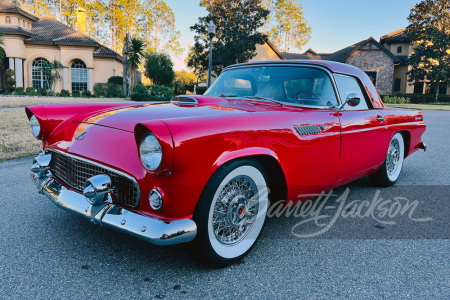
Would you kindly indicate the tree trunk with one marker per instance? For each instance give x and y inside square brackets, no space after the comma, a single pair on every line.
[437,92]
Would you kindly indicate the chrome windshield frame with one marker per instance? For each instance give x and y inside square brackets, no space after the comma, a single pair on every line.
[295,65]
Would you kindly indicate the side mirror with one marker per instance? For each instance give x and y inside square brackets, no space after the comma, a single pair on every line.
[353,99]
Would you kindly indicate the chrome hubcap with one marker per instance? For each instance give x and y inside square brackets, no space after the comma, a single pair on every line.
[393,156]
[235,210]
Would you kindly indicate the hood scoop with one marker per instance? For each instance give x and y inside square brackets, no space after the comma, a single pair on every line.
[184,101]
[304,130]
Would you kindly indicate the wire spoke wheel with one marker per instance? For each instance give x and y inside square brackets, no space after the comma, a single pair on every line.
[235,210]
[393,156]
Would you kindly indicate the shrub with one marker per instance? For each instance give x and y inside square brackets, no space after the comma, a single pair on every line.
[50,93]
[64,93]
[19,91]
[11,84]
[140,89]
[396,100]
[76,93]
[100,89]
[116,80]
[114,91]
[10,81]
[86,93]
[41,92]
[31,91]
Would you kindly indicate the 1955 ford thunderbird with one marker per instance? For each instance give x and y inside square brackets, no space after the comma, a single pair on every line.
[202,169]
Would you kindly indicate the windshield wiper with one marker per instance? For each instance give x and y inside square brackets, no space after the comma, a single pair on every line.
[263,98]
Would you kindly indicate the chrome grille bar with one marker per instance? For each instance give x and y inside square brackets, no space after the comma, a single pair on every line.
[74,171]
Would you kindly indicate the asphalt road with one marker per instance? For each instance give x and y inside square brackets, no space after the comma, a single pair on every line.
[46,252]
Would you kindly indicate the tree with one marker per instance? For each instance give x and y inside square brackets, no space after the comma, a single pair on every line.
[2,50]
[185,80]
[291,28]
[159,68]
[159,27]
[429,30]
[52,73]
[135,55]
[236,36]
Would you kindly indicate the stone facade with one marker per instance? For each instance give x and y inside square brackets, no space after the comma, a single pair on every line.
[370,58]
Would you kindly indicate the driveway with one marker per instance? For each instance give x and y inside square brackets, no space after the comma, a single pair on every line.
[46,252]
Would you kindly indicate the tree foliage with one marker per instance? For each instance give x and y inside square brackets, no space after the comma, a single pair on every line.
[237,23]
[429,30]
[159,27]
[159,68]
[108,21]
[52,73]
[2,50]
[135,55]
[290,29]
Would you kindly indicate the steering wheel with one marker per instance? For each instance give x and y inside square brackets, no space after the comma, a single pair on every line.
[311,93]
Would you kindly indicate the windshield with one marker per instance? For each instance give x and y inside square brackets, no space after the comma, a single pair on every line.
[297,85]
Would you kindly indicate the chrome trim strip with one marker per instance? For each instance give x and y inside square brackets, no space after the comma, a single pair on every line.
[150,229]
[104,167]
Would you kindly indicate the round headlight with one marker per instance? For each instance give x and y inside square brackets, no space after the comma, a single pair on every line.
[35,126]
[151,152]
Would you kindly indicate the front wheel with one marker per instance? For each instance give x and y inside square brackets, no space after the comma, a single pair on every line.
[231,212]
[389,172]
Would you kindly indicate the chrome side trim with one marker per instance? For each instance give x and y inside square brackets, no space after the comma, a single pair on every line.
[150,229]
[105,167]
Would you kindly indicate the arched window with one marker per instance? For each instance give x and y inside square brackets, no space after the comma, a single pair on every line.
[8,20]
[39,74]
[78,75]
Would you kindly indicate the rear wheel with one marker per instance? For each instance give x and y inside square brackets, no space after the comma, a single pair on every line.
[231,212]
[390,171]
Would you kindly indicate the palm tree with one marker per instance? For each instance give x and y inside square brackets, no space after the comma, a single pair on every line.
[135,54]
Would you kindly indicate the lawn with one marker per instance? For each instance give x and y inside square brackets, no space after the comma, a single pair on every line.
[440,106]
[16,139]
[25,101]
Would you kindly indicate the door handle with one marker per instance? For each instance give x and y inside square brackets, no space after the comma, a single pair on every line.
[380,118]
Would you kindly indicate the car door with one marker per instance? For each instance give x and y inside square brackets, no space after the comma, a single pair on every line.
[363,131]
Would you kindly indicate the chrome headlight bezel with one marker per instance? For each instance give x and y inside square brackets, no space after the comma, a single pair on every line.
[35,126]
[150,152]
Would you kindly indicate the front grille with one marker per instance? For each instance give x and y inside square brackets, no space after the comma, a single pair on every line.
[74,172]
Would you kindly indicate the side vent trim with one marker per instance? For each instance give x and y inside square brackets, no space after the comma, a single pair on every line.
[307,129]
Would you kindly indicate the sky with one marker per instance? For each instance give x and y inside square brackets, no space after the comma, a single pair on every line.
[335,24]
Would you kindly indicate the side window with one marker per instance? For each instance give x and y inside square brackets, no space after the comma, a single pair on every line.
[348,85]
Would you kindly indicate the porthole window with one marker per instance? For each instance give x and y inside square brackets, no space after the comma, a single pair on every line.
[78,75]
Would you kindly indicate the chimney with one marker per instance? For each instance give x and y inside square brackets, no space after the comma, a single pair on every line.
[81,20]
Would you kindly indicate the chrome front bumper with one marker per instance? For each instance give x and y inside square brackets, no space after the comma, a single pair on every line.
[153,230]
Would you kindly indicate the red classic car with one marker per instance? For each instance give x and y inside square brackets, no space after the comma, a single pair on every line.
[199,169]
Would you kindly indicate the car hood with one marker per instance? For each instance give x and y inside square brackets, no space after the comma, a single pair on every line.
[126,118]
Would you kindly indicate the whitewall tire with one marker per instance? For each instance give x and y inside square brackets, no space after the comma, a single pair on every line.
[390,171]
[231,212]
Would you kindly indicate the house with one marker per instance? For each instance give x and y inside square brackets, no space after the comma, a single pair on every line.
[401,46]
[30,41]
[368,55]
